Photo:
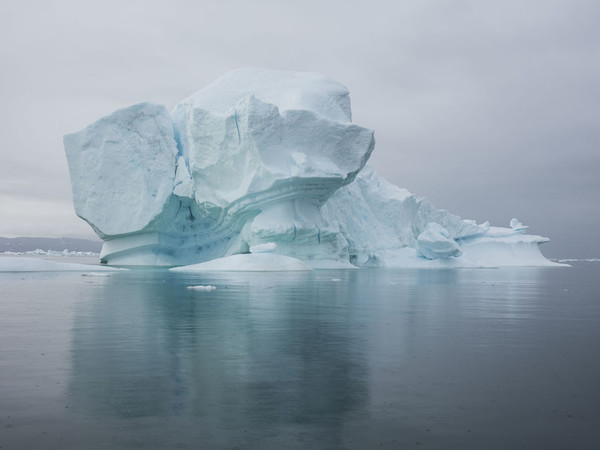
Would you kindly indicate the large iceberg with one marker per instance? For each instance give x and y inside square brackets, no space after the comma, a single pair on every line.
[264,159]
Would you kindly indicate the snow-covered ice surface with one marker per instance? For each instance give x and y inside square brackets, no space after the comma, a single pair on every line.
[264,248]
[435,242]
[267,162]
[259,262]
[17,264]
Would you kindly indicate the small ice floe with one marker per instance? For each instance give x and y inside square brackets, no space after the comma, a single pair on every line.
[95,274]
[202,288]
[336,279]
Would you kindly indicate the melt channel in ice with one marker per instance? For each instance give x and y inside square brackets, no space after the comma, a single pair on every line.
[263,159]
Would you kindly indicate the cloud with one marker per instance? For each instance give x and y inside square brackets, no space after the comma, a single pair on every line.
[488,109]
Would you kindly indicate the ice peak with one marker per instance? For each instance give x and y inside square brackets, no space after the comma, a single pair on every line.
[286,89]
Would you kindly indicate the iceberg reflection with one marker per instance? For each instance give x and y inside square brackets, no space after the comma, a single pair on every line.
[259,351]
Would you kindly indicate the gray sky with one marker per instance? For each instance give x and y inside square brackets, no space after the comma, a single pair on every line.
[489,109]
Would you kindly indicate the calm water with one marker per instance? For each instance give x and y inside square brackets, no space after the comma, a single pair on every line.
[465,359]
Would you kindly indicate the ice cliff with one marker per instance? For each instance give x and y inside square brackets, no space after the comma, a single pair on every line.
[263,159]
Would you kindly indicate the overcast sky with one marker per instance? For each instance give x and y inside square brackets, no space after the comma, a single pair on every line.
[489,109]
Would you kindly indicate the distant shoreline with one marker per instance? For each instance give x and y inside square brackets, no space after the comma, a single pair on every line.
[30,244]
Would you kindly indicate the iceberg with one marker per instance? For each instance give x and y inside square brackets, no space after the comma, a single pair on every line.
[259,166]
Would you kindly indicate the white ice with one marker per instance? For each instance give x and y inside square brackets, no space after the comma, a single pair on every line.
[267,162]
[259,262]
[122,169]
[516,225]
[435,243]
[268,247]
[202,288]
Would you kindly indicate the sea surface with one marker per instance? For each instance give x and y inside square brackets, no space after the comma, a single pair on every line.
[353,359]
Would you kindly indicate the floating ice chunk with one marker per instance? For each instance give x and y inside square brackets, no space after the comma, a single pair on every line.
[202,288]
[259,262]
[435,243]
[263,248]
[95,274]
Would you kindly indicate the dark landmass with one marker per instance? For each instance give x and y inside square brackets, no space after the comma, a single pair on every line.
[26,244]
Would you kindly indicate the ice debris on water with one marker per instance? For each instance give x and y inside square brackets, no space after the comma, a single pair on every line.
[202,288]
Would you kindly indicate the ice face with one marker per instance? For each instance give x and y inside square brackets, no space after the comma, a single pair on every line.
[266,162]
[187,188]
[435,243]
[122,169]
[255,147]
[381,221]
